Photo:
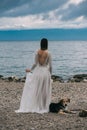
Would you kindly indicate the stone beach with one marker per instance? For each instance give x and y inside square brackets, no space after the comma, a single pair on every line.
[10,95]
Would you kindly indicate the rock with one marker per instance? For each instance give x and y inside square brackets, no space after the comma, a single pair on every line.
[13,78]
[1,76]
[23,79]
[83,113]
[71,80]
[16,79]
[78,78]
[10,78]
[85,80]
[57,78]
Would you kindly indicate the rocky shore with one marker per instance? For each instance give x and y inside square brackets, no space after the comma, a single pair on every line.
[10,94]
[75,78]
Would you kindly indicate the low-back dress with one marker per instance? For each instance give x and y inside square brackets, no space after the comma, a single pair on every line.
[36,95]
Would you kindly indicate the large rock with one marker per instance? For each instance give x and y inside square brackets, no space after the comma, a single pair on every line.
[23,79]
[78,78]
[1,76]
[57,78]
[12,78]
[83,113]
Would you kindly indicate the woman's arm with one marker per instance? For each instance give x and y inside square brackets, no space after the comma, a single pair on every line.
[34,65]
[50,63]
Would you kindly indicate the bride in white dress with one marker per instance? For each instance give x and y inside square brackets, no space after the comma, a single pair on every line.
[36,95]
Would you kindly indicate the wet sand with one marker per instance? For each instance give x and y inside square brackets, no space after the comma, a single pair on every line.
[10,94]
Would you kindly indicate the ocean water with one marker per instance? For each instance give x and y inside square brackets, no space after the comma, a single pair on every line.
[68,57]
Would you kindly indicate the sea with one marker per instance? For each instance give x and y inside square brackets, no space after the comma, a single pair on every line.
[68,57]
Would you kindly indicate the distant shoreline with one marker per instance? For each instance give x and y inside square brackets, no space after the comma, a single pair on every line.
[53,34]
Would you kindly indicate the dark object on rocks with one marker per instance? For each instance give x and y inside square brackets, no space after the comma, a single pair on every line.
[23,79]
[13,78]
[10,78]
[57,78]
[83,113]
[1,76]
[78,78]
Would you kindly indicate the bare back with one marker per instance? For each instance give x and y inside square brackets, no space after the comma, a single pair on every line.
[42,56]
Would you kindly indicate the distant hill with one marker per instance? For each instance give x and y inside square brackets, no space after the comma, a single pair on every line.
[37,34]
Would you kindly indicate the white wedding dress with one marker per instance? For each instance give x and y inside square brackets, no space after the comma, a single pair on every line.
[36,95]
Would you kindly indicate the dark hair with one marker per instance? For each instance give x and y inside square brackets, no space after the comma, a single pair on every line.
[44,44]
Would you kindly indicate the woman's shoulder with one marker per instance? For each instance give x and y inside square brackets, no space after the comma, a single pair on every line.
[42,51]
[39,51]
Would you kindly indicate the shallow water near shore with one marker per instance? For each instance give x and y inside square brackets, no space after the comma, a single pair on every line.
[68,57]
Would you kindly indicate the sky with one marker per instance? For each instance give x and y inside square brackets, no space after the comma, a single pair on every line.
[29,14]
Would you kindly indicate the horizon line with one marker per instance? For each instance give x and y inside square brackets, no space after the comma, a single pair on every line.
[19,29]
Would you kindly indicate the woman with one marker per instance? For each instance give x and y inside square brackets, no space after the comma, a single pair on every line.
[36,95]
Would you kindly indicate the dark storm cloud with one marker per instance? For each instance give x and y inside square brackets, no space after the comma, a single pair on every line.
[9,4]
[75,11]
[24,7]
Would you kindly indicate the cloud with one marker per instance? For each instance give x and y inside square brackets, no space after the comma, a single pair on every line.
[13,8]
[74,11]
[76,2]
[25,14]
